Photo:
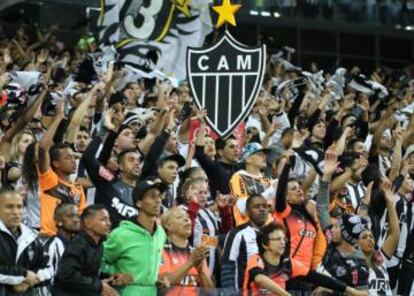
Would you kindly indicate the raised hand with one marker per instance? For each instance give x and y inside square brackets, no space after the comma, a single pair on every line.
[42,56]
[331,161]
[7,59]
[60,109]
[276,125]
[386,186]
[299,138]
[108,122]
[200,135]
[349,101]
[108,75]
[367,197]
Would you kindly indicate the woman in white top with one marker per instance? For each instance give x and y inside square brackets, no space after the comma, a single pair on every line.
[379,284]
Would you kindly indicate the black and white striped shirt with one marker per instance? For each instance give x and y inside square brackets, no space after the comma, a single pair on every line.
[239,245]
[355,194]
[206,231]
[405,216]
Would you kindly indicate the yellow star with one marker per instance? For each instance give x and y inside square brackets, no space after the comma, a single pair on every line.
[226,13]
[182,5]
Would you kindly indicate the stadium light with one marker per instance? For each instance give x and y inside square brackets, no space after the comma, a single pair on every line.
[409,28]
[265,13]
[276,14]
[254,12]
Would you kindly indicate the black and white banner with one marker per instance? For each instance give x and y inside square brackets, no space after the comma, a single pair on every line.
[153,35]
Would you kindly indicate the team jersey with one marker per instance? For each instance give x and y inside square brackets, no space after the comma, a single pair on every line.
[243,185]
[405,217]
[351,269]
[111,192]
[355,194]
[239,245]
[302,237]
[206,231]
[378,281]
[174,258]
[53,192]
[338,208]
[55,247]
[257,265]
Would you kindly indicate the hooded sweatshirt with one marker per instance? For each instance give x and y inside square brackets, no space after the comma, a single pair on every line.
[131,249]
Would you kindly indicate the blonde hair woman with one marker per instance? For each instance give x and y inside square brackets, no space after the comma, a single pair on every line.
[183,266]
[13,170]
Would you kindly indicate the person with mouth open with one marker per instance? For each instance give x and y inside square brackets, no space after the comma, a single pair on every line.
[378,281]
[184,267]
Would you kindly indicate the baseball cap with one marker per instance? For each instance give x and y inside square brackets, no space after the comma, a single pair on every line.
[251,149]
[144,186]
[175,157]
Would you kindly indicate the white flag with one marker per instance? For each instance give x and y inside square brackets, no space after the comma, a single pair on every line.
[155,36]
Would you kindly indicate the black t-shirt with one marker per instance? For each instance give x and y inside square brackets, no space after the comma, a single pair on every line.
[111,192]
[351,269]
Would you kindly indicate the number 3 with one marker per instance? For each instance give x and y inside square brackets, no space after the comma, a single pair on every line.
[148,24]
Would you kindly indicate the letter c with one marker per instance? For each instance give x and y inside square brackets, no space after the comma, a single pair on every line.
[200,65]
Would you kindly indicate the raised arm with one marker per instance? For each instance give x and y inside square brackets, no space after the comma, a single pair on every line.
[397,155]
[322,199]
[282,185]
[340,144]
[384,123]
[294,110]
[20,124]
[340,181]
[79,115]
[409,133]
[47,140]
[145,144]
[391,242]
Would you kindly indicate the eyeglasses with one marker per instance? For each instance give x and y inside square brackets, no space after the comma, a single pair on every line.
[276,239]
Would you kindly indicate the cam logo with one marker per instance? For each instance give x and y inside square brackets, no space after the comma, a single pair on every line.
[225,79]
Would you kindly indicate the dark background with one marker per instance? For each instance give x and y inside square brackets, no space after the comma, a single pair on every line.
[331,35]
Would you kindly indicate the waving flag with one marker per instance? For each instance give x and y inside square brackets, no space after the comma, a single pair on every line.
[154,36]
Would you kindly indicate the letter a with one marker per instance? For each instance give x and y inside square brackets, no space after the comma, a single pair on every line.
[223,63]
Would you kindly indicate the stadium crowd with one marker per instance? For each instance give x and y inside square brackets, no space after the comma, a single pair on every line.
[114,185]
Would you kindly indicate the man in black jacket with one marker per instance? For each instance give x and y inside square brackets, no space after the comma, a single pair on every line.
[24,268]
[112,190]
[78,272]
[220,171]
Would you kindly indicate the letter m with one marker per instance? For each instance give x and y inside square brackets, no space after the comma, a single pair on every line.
[244,62]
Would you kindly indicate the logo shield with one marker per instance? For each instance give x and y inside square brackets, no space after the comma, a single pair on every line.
[225,79]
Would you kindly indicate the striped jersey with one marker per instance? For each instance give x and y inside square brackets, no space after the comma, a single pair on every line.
[355,194]
[206,231]
[405,216]
[239,245]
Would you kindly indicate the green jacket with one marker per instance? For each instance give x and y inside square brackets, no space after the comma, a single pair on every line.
[131,249]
